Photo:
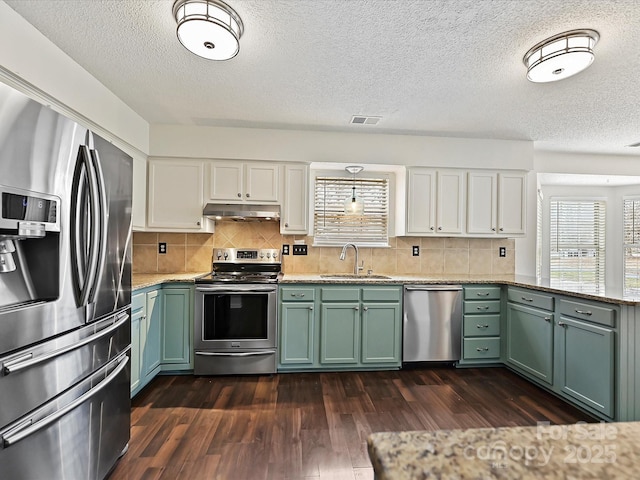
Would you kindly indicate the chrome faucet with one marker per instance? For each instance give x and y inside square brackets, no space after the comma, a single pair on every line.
[356,267]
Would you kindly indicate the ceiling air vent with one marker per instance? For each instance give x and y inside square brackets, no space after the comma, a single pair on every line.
[362,120]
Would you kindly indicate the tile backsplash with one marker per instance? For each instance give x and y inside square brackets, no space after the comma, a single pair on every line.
[192,252]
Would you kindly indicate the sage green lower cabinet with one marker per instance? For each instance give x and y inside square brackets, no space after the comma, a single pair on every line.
[177,328]
[481,325]
[297,333]
[161,323]
[530,341]
[340,333]
[585,363]
[340,327]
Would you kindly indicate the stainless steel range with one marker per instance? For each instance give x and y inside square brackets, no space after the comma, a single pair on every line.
[235,313]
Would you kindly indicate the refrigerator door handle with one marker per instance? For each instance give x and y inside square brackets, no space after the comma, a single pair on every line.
[26,361]
[84,226]
[101,202]
[28,427]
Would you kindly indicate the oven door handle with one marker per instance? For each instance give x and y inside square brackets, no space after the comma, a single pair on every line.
[232,290]
[236,354]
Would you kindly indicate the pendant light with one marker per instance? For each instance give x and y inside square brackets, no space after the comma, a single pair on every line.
[561,56]
[353,205]
[209,28]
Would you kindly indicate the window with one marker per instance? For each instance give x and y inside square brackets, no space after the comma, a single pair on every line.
[631,244]
[333,227]
[577,245]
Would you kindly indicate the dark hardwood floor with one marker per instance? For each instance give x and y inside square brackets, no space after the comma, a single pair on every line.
[314,425]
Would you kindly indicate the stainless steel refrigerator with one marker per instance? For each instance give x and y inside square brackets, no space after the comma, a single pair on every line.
[65,295]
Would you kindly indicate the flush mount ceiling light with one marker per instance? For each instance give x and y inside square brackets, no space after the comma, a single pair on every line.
[209,28]
[353,205]
[561,56]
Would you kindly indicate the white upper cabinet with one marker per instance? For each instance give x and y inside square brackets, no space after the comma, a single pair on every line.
[245,182]
[435,201]
[139,203]
[482,202]
[176,195]
[496,203]
[421,201]
[450,202]
[294,218]
[512,199]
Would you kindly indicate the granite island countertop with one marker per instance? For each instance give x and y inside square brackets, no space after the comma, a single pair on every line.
[580,451]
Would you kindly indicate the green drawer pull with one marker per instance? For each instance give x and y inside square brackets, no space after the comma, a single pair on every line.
[527,299]
[584,312]
[482,349]
[482,326]
[299,295]
[481,294]
[483,307]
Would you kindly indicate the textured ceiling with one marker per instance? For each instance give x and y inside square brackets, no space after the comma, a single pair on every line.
[428,67]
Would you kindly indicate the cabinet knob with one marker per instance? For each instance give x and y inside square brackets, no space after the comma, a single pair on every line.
[439,228]
[501,229]
[286,225]
[356,308]
[493,229]
[432,228]
[547,319]
[239,195]
[562,324]
[310,307]
[198,223]
[248,195]
[365,308]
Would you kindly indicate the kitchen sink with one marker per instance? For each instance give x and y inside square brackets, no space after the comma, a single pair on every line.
[342,276]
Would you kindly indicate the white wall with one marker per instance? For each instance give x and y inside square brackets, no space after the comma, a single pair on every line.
[350,148]
[34,65]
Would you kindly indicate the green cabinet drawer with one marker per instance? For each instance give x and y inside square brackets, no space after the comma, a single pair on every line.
[527,297]
[481,325]
[334,294]
[490,306]
[478,348]
[482,293]
[294,294]
[588,311]
[381,294]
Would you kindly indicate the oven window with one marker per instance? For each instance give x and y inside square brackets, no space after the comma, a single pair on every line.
[235,316]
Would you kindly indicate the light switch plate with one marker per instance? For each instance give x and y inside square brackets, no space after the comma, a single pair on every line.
[299,249]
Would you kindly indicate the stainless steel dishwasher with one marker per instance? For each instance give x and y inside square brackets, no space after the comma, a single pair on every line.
[432,323]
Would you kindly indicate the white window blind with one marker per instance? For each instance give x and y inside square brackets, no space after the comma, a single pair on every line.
[577,245]
[333,227]
[631,243]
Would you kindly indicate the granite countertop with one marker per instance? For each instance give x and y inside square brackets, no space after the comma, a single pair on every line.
[611,295]
[585,451]
[141,280]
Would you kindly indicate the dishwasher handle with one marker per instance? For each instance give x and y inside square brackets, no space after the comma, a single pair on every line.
[433,288]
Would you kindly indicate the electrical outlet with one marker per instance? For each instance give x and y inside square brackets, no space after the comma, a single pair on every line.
[299,249]
[162,248]
[416,250]
[285,249]
[503,251]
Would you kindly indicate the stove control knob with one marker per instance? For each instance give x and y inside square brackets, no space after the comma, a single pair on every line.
[219,254]
[226,255]
[275,255]
[268,255]
[261,255]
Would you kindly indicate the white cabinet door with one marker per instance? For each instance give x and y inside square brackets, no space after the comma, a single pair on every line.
[512,194]
[175,194]
[450,201]
[226,181]
[421,200]
[482,202]
[261,182]
[295,204]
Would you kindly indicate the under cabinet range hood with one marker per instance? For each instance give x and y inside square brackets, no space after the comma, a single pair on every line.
[242,212]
